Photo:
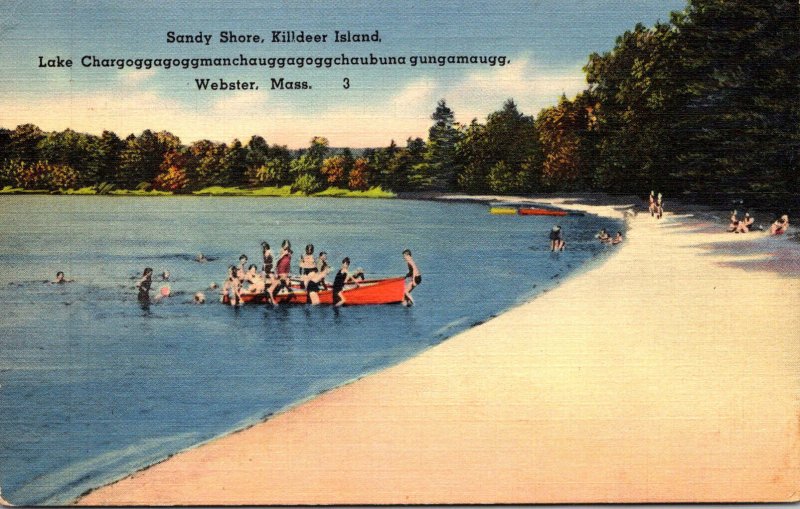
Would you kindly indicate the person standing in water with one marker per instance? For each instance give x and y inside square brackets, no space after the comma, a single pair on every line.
[232,286]
[557,239]
[414,274]
[266,252]
[144,285]
[341,279]
[307,264]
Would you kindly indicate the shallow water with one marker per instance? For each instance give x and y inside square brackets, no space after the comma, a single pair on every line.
[94,386]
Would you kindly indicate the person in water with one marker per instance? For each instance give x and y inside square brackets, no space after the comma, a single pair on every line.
[341,279]
[322,264]
[60,279]
[199,298]
[780,225]
[257,282]
[557,239]
[414,274]
[144,284]
[232,287]
[617,239]
[200,258]
[307,264]
[359,274]
[313,284]
[604,237]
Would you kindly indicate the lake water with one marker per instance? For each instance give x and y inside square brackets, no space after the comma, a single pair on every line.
[93,386]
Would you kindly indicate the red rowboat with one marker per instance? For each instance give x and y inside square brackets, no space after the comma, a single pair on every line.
[369,292]
[541,212]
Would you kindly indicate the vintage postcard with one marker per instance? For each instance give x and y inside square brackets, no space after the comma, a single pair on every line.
[368,252]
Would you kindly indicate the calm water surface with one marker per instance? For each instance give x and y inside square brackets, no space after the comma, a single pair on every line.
[93,386]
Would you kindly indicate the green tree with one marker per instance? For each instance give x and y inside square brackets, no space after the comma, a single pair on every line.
[440,168]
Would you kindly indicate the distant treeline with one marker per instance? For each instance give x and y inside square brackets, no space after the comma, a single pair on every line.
[705,106]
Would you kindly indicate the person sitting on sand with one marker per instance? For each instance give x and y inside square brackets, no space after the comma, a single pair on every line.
[780,225]
[617,239]
[232,287]
[652,206]
[745,224]
[341,279]
[557,239]
[144,285]
[415,275]
[257,282]
[313,284]
[734,222]
[60,279]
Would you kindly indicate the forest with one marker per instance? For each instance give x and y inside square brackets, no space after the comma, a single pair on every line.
[705,107]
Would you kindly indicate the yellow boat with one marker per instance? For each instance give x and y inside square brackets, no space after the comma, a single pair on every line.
[503,210]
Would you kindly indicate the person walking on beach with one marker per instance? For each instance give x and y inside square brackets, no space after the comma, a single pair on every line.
[660,206]
[144,285]
[734,222]
[557,239]
[414,274]
[652,207]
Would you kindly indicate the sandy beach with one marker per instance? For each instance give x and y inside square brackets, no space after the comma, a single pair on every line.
[661,375]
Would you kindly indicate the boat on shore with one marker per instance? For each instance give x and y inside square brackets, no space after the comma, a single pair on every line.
[503,210]
[368,292]
[530,211]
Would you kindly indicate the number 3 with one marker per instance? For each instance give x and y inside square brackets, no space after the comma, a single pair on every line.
[346,83]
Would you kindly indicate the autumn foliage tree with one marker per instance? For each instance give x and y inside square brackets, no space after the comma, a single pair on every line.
[358,180]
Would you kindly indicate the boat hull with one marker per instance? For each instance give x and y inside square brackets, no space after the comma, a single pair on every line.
[367,293]
[541,212]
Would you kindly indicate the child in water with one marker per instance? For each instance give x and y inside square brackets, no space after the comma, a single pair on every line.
[341,279]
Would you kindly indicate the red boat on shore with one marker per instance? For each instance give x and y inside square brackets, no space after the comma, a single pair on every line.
[368,292]
[528,211]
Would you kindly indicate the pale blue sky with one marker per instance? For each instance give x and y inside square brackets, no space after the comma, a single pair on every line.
[547,42]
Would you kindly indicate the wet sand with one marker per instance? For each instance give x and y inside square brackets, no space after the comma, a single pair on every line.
[661,375]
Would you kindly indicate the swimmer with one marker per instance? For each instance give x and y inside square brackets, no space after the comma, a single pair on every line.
[144,285]
[617,239]
[60,279]
[200,258]
[359,274]
[199,298]
[165,276]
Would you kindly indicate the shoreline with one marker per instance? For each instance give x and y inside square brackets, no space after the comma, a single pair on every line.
[468,388]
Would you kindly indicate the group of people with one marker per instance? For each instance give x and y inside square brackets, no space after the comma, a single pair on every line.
[741,226]
[275,276]
[744,225]
[606,238]
[656,207]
